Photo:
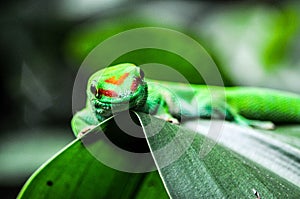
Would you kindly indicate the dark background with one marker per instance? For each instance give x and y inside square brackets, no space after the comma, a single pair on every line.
[43,43]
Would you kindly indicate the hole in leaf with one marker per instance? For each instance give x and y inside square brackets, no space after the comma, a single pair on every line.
[49,183]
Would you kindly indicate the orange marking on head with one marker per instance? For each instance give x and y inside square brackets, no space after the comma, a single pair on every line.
[113,80]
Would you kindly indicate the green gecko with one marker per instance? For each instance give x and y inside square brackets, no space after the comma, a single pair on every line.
[122,87]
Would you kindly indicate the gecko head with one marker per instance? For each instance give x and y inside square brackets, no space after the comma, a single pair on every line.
[121,87]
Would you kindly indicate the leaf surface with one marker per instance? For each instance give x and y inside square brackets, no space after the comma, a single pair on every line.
[224,172]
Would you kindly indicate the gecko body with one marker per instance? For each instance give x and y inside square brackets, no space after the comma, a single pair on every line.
[123,87]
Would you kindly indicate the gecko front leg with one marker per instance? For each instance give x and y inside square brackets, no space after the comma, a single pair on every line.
[158,106]
[83,121]
[164,113]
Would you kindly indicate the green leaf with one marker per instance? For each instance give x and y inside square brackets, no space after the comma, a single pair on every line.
[223,172]
[76,173]
[85,168]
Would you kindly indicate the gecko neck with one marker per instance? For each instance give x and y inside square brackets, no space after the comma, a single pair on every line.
[140,103]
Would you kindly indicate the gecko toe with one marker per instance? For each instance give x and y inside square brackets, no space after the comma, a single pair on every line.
[173,121]
[85,130]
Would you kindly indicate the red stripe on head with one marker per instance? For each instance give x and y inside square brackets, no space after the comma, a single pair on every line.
[136,82]
[107,93]
[113,80]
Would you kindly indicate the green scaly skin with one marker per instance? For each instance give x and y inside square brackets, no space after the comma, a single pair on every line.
[122,87]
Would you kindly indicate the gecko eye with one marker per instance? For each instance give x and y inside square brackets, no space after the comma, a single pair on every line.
[93,89]
[142,74]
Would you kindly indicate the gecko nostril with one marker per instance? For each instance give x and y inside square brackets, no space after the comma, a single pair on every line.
[98,95]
